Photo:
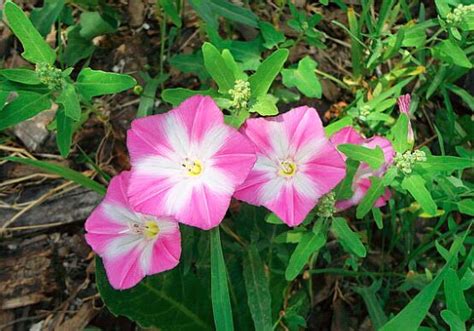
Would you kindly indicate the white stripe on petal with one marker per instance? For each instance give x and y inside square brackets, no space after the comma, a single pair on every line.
[217,181]
[279,140]
[179,195]
[309,150]
[159,166]
[264,164]
[123,245]
[305,186]
[176,134]
[118,214]
[271,189]
[146,256]
[211,143]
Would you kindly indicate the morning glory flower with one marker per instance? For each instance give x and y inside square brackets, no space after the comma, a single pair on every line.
[296,164]
[361,182]
[187,163]
[132,245]
[404,102]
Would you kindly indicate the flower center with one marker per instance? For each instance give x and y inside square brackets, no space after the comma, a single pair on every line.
[287,168]
[149,229]
[193,168]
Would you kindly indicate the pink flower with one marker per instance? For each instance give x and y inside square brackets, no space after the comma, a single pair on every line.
[361,182]
[404,102]
[131,245]
[296,164]
[187,163]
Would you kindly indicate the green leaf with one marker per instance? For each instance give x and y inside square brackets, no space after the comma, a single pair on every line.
[337,125]
[372,302]
[175,96]
[169,301]
[347,238]
[413,314]
[64,125]
[344,188]
[233,12]
[219,287]
[376,189]
[190,63]
[450,52]
[77,47]
[258,293]
[36,50]
[93,25]
[463,94]
[91,83]
[310,243]
[67,173]
[273,219]
[236,119]
[454,322]
[445,163]
[466,206]
[356,47]
[455,300]
[415,184]
[25,106]
[400,134]
[442,7]
[266,73]
[265,105]
[271,35]
[24,76]
[70,101]
[378,217]
[217,68]
[232,65]
[43,18]
[147,98]
[374,157]
[304,78]
[170,10]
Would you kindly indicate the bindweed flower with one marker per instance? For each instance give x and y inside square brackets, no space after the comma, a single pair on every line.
[404,102]
[132,245]
[187,163]
[296,164]
[361,182]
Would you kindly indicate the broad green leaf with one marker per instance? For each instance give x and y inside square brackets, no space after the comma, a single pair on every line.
[236,119]
[372,302]
[169,8]
[217,68]
[91,83]
[450,52]
[356,47]
[463,94]
[303,78]
[376,189]
[230,63]
[400,134]
[77,47]
[455,300]
[347,238]
[67,173]
[273,219]
[374,157]
[337,125]
[413,314]
[378,217]
[175,96]
[454,322]
[258,293]
[93,25]
[344,189]
[191,63]
[43,18]
[147,98]
[233,12]
[219,287]
[36,50]
[271,35]
[64,125]
[24,76]
[25,106]
[466,206]
[265,105]
[168,301]
[309,244]
[266,73]
[415,184]
[446,163]
[442,7]
[70,101]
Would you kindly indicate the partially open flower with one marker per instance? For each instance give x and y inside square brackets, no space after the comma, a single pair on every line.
[404,102]
[296,164]
[361,182]
[132,245]
[187,163]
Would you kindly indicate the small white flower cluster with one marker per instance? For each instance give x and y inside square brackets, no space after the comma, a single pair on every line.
[325,206]
[458,13]
[240,94]
[407,160]
[50,76]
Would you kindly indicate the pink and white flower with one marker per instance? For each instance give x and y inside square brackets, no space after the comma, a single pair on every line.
[361,182]
[296,164]
[187,163]
[132,245]
[404,102]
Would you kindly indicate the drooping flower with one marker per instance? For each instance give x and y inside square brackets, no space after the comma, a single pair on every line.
[187,163]
[404,102]
[132,245]
[361,182]
[296,164]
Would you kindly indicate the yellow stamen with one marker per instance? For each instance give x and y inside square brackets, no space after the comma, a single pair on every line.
[194,168]
[151,229]
[287,168]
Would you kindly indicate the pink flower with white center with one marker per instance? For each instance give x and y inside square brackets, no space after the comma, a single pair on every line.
[404,102]
[131,245]
[187,163]
[296,164]
[361,182]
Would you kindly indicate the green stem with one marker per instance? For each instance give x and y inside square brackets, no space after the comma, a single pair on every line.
[332,78]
